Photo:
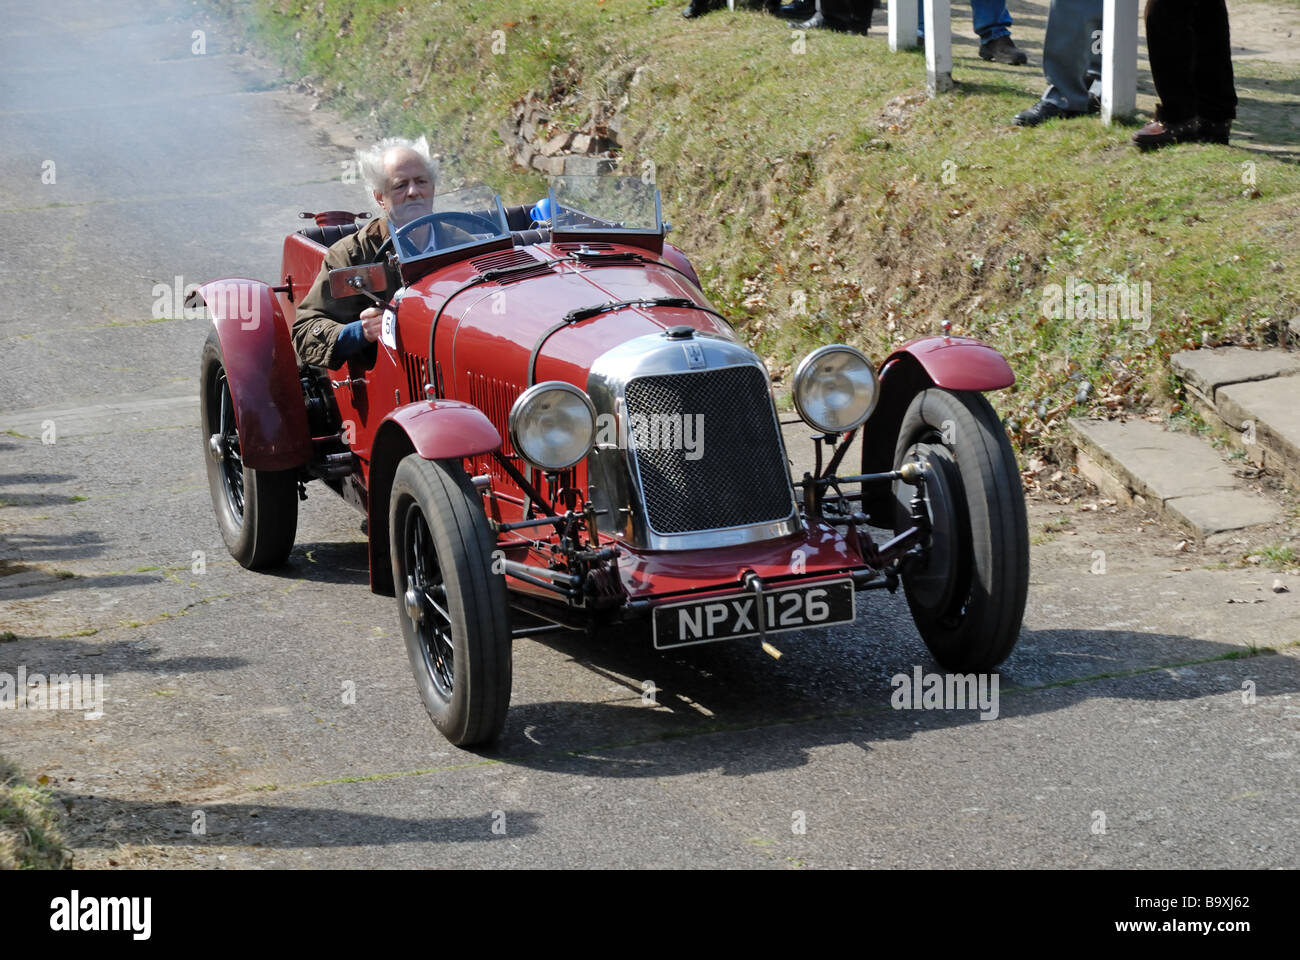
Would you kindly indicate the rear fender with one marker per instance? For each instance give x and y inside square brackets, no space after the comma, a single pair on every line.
[262,369]
[436,430]
[952,363]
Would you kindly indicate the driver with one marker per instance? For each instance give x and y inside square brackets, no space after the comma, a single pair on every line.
[327,331]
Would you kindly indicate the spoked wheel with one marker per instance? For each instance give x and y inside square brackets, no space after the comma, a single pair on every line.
[257,510]
[454,609]
[968,596]
[426,602]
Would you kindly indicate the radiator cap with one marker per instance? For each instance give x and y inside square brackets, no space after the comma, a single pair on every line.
[680,332]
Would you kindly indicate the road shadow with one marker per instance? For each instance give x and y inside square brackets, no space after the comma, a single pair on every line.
[774,717]
[342,562]
[21,583]
[55,655]
[11,498]
[105,822]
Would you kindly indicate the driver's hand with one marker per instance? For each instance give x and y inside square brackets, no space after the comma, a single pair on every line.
[372,320]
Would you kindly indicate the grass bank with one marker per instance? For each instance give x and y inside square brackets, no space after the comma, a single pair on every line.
[823,197]
[30,838]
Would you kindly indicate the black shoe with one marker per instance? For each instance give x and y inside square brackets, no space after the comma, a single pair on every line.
[696,9]
[1213,131]
[799,10]
[1003,50]
[1042,110]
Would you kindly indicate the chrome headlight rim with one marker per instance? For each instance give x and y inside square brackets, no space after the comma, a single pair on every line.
[519,409]
[805,370]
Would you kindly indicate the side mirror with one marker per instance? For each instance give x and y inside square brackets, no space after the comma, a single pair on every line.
[369,278]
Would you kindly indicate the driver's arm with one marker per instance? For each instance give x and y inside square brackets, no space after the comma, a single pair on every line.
[328,330]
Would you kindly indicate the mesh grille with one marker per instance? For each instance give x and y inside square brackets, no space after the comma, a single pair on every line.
[738,476]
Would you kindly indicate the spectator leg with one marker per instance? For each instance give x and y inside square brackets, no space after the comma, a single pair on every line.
[1216,93]
[1172,49]
[1067,51]
[991,19]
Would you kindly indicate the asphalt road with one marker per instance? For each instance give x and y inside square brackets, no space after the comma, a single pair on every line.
[1126,735]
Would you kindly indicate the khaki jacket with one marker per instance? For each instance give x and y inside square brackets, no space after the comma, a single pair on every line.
[320,316]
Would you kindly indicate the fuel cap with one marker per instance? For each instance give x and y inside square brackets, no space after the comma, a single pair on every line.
[680,332]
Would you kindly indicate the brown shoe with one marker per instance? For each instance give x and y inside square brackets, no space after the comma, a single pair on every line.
[1158,134]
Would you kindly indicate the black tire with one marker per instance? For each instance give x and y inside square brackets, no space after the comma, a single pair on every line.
[968,598]
[454,610]
[257,510]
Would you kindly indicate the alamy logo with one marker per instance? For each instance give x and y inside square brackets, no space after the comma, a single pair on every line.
[655,431]
[1080,300]
[74,913]
[946,691]
[58,691]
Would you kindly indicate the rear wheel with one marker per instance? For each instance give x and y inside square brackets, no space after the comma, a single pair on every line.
[454,609]
[968,596]
[257,510]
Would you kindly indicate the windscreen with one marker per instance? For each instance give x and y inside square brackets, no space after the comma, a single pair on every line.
[461,218]
[614,204]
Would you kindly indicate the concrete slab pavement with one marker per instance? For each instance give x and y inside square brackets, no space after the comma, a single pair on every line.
[1179,474]
[1268,414]
[1205,371]
[1252,397]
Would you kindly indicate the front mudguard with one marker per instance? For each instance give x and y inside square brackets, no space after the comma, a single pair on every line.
[951,363]
[262,370]
[434,429]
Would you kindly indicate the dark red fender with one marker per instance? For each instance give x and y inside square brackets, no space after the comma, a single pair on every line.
[262,370]
[953,363]
[436,430]
[446,429]
[958,363]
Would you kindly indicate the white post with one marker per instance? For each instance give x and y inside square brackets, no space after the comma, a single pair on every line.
[902,24]
[938,46]
[1119,50]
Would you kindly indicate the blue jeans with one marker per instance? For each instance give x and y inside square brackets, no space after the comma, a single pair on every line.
[990,18]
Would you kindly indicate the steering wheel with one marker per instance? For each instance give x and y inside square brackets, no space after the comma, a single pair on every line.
[470,222]
[467,223]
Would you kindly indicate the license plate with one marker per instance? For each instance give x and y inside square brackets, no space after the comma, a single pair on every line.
[724,618]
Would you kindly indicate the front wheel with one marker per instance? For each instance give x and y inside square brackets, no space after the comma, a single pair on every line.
[968,595]
[257,510]
[454,609]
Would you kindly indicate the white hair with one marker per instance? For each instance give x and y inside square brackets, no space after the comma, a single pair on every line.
[371,161]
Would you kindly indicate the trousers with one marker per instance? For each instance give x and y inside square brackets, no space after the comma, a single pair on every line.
[990,18]
[1191,59]
[1072,52]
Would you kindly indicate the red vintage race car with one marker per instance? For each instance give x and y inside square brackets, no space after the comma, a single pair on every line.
[558,431]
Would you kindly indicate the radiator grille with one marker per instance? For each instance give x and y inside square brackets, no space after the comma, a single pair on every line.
[736,476]
[495,398]
[417,375]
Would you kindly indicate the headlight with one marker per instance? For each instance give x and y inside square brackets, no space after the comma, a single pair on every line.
[835,388]
[552,425]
